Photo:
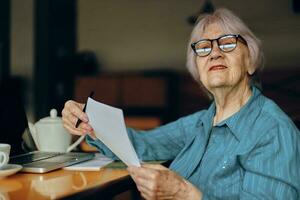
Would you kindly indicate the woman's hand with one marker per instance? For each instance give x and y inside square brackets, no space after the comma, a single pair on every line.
[158,182]
[70,115]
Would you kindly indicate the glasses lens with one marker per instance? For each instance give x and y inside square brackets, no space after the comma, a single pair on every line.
[227,43]
[203,48]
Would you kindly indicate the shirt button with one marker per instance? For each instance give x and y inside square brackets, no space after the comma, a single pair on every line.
[224,164]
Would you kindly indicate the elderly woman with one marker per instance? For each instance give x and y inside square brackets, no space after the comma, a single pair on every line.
[242,147]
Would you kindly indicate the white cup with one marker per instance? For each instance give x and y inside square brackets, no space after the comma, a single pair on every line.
[4,154]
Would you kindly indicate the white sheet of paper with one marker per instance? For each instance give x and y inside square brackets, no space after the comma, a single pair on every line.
[109,127]
[95,164]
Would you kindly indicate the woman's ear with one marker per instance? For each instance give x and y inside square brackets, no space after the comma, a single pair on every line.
[250,70]
[250,67]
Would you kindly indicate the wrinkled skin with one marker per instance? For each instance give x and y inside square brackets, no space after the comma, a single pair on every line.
[155,182]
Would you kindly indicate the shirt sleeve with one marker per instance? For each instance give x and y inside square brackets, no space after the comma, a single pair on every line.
[162,143]
[272,167]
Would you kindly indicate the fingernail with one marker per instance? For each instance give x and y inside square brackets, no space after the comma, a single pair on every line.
[85,118]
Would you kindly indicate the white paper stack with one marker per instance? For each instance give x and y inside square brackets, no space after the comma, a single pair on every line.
[95,164]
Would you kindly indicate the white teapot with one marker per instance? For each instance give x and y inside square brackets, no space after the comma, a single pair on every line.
[49,134]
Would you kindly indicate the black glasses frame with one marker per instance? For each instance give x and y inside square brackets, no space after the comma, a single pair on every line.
[237,36]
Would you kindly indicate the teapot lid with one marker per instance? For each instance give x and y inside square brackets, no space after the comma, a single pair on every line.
[53,117]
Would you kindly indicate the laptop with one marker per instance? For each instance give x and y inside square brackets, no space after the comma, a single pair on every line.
[42,162]
[14,126]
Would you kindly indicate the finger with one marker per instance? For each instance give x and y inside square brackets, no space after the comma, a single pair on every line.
[146,178]
[146,196]
[146,187]
[69,117]
[75,131]
[86,127]
[162,182]
[92,135]
[164,195]
[76,109]
[155,166]
[168,197]
[141,171]
[155,194]
[67,122]
[132,168]
[140,182]
[153,189]
[145,192]
[71,103]
[148,173]
[71,120]
[133,171]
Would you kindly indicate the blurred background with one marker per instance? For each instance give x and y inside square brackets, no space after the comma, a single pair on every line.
[132,53]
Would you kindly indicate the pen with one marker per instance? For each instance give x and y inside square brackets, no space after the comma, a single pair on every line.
[79,120]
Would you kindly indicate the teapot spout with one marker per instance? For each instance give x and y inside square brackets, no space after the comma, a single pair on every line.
[33,133]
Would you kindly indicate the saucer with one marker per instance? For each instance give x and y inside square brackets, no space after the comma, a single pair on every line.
[9,169]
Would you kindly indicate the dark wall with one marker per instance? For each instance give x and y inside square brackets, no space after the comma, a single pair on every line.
[4,38]
[12,114]
[296,6]
[55,45]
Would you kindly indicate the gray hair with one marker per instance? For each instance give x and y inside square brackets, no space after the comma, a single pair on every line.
[231,24]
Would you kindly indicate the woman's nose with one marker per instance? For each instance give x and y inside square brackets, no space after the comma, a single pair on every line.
[215,51]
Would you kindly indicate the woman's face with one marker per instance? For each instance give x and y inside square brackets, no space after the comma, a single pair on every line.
[220,69]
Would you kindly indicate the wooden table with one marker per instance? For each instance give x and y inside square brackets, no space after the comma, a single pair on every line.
[66,184]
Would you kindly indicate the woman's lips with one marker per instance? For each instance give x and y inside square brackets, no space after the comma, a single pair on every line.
[217,67]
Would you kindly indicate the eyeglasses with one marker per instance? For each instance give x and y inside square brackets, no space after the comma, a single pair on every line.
[226,43]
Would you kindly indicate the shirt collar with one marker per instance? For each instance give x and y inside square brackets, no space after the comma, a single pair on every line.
[239,123]
[207,119]
[242,121]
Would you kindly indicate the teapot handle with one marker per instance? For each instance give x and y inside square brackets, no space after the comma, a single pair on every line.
[75,144]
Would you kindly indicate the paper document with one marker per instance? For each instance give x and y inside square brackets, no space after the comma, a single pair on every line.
[109,126]
[95,164]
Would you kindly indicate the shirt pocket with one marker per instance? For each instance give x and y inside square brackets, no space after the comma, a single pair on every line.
[228,175]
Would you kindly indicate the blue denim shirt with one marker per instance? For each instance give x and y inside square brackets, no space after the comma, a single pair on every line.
[254,154]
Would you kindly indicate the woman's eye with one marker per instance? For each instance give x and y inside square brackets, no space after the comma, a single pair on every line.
[203,49]
[227,46]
